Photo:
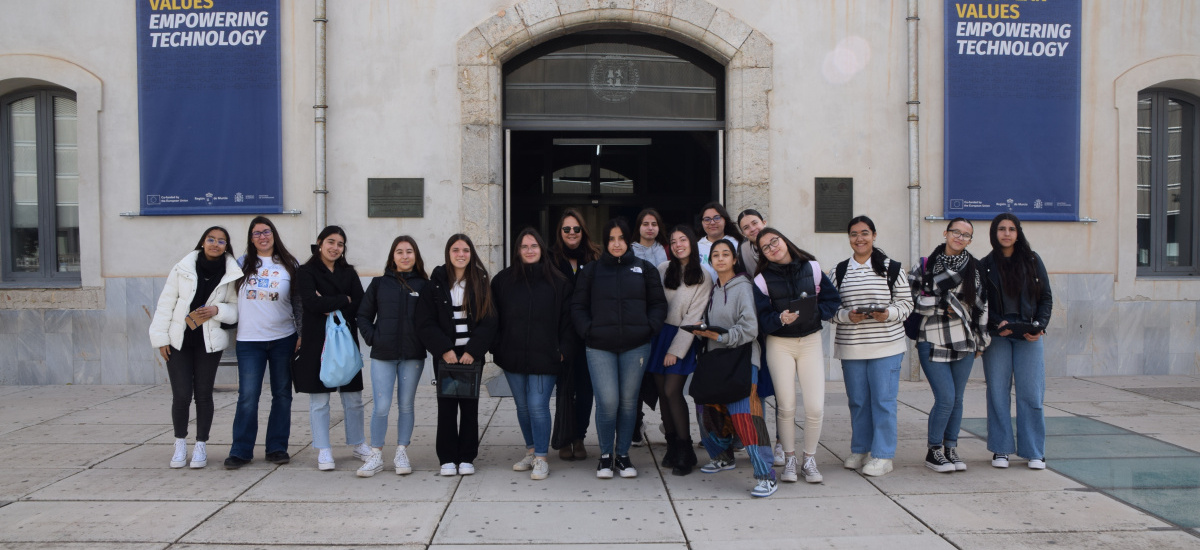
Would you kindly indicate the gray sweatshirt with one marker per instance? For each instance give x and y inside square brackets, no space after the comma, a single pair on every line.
[732,307]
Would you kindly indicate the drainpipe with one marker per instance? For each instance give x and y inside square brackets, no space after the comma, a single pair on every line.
[914,161]
[319,119]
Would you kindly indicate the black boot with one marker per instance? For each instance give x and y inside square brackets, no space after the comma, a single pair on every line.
[668,459]
[686,459]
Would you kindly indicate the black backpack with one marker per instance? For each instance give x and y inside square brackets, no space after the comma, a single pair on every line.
[893,271]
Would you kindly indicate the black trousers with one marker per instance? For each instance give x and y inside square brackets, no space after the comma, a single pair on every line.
[457,430]
[193,372]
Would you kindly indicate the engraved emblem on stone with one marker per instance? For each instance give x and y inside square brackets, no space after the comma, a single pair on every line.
[614,78]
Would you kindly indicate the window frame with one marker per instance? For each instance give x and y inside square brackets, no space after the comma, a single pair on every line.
[47,274]
[1158,185]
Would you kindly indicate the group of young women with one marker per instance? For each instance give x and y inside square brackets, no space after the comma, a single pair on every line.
[604,323]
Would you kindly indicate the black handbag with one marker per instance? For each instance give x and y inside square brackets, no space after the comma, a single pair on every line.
[723,375]
[458,380]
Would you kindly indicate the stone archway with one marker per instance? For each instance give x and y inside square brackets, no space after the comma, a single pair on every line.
[746,53]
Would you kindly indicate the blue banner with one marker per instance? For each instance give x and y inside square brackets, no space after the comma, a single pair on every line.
[1012,109]
[209,107]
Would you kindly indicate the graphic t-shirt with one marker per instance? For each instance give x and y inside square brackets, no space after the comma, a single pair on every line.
[265,303]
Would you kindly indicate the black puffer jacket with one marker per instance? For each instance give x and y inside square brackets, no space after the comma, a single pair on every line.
[619,303]
[535,321]
[435,319]
[1032,307]
[386,316]
[323,291]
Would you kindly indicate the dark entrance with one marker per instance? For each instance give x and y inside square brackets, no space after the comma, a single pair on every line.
[611,123]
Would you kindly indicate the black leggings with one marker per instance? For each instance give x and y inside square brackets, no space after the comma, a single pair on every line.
[673,404]
[192,371]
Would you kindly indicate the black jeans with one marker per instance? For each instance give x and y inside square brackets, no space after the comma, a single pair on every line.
[457,430]
[193,372]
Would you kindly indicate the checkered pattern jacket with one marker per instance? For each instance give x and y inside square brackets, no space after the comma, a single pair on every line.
[954,329]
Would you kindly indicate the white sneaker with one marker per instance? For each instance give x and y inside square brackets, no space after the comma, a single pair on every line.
[778,455]
[809,469]
[541,469]
[325,459]
[362,452]
[877,467]
[373,465]
[466,469]
[999,460]
[199,455]
[1037,464]
[855,461]
[449,469]
[179,459]
[764,488]
[525,464]
[401,462]
[789,470]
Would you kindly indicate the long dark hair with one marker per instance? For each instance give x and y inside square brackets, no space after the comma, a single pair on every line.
[1019,271]
[661,238]
[418,266]
[878,257]
[590,250]
[970,291]
[543,267]
[617,223]
[797,254]
[280,254]
[731,228]
[738,268]
[340,262]
[677,272]
[475,278]
[204,237]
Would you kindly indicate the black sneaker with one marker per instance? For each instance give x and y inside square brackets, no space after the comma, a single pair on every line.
[605,469]
[235,462]
[625,467]
[952,456]
[936,460]
[999,460]
[278,457]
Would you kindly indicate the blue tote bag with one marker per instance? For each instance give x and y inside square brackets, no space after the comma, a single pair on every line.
[340,358]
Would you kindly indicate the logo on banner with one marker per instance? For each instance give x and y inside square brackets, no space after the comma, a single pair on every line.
[152,200]
[956,204]
[614,78]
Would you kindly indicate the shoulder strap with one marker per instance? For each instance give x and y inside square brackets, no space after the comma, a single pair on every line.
[816,267]
[840,273]
[761,283]
[892,273]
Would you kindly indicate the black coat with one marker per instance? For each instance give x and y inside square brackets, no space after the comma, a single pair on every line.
[435,319]
[1032,307]
[535,321]
[386,317]
[618,303]
[339,289]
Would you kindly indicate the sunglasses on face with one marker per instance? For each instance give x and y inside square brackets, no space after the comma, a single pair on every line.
[568,229]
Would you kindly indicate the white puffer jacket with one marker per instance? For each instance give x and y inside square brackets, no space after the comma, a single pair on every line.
[176,299]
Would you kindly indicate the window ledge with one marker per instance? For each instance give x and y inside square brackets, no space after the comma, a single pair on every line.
[49,297]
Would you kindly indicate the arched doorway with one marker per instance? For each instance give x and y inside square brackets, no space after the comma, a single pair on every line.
[610,122]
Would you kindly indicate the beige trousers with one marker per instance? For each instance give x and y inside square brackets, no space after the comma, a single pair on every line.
[789,358]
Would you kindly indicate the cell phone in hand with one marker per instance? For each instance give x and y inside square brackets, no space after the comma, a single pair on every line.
[869,309]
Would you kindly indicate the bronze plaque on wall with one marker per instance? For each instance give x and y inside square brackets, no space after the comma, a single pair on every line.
[395,197]
[834,204]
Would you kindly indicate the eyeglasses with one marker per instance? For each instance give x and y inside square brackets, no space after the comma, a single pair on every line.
[568,229]
[960,235]
[772,245]
[526,247]
[855,235]
[211,240]
[713,219]
[261,234]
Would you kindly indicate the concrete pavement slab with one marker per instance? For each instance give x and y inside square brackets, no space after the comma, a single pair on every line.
[156,456]
[577,546]
[1122,408]
[1025,512]
[916,479]
[925,541]
[1145,381]
[117,416]
[16,483]
[84,546]
[495,481]
[91,433]
[412,546]
[558,522]
[1189,441]
[1118,540]
[58,455]
[382,523]
[1156,424]
[182,484]
[304,485]
[772,519]
[101,521]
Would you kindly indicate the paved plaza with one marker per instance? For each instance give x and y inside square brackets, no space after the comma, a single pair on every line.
[86,467]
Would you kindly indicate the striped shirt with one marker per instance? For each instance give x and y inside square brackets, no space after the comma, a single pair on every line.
[870,339]
[461,329]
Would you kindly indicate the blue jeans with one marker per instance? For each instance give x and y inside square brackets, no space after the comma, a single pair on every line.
[871,387]
[253,360]
[531,395]
[616,382]
[948,382]
[1004,360]
[384,376]
[318,416]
